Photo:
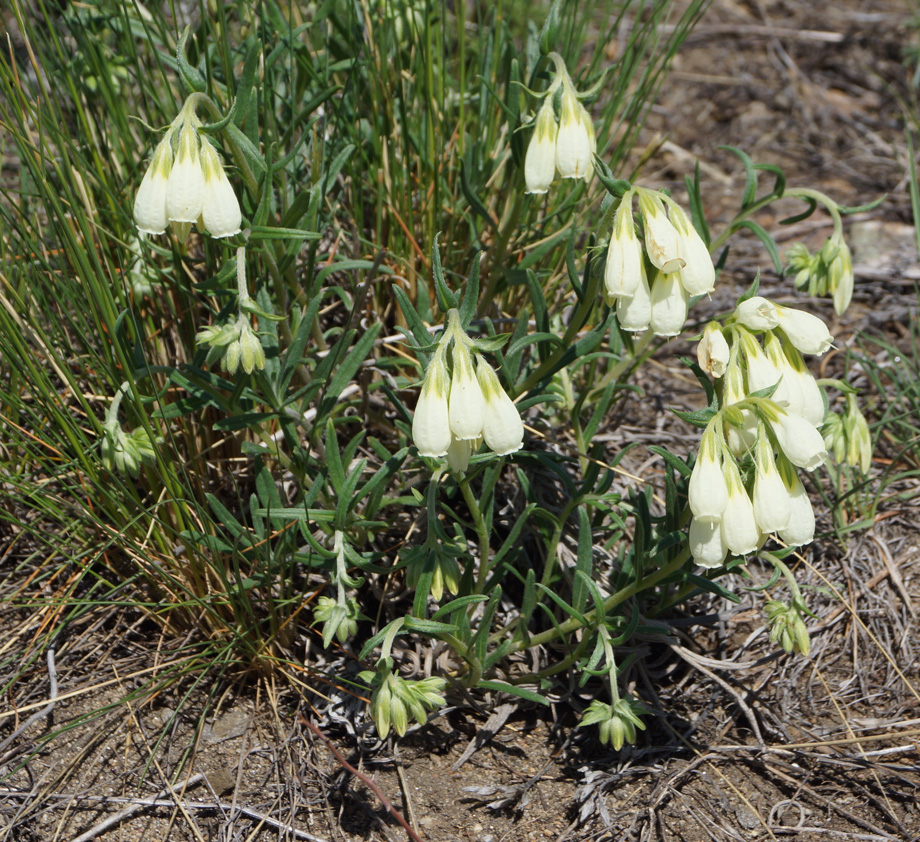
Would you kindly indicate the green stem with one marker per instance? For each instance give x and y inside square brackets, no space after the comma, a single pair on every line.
[481,532]
[610,603]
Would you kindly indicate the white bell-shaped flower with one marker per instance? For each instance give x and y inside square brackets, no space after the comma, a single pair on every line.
[635,311]
[757,313]
[707,492]
[800,528]
[670,304]
[185,191]
[661,239]
[707,543]
[799,440]
[623,268]
[466,403]
[150,203]
[739,526]
[771,498]
[712,351]
[502,427]
[807,332]
[540,160]
[575,141]
[430,424]
[220,210]
[698,275]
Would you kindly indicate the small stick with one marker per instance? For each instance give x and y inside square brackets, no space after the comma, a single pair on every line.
[45,711]
[362,777]
[121,815]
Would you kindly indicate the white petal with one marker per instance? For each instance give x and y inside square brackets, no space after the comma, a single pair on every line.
[150,202]
[575,140]
[661,240]
[430,425]
[771,501]
[466,408]
[186,182]
[540,160]
[801,526]
[707,492]
[807,332]
[669,305]
[458,455]
[623,267]
[707,546]
[757,313]
[739,527]
[800,441]
[635,311]
[712,352]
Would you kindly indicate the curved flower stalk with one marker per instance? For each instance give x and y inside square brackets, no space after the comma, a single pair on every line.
[462,403]
[185,183]
[563,144]
[680,262]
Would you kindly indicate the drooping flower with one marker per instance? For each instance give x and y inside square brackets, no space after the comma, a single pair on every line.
[771,498]
[805,331]
[797,389]
[712,351]
[430,425]
[707,491]
[800,529]
[757,313]
[220,210]
[502,427]
[799,440]
[698,275]
[150,203]
[707,543]
[466,403]
[185,190]
[540,160]
[634,312]
[623,268]
[575,141]
[739,526]
[661,238]
[670,304]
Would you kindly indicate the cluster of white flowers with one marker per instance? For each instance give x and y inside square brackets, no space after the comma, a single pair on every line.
[680,259]
[566,147]
[185,184]
[462,402]
[764,438]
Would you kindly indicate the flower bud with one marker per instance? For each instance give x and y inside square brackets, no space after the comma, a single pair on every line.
[616,722]
[787,627]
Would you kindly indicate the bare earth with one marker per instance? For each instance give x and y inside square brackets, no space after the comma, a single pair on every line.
[748,744]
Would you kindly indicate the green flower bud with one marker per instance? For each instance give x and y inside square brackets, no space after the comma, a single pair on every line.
[787,628]
[616,722]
